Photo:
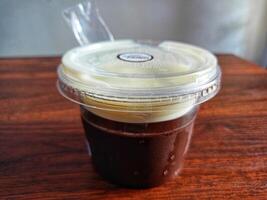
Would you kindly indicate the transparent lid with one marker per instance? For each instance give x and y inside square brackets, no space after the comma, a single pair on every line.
[138,76]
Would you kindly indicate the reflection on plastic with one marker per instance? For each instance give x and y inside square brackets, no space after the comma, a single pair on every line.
[86,23]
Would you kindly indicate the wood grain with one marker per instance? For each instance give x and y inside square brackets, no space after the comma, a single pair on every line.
[43,154]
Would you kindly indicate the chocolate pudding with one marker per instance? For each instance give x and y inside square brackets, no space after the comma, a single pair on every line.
[138,104]
[138,154]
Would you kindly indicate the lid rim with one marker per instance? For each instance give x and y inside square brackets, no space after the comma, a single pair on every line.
[139,93]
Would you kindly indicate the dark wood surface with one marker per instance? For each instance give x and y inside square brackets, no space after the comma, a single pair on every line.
[43,154]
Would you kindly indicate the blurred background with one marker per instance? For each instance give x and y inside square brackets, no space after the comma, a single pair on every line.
[37,28]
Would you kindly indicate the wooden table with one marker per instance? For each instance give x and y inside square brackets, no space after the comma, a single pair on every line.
[43,154]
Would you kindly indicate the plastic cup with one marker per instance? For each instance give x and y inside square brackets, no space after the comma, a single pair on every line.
[138,104]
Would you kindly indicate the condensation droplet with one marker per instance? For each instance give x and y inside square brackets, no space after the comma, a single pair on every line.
[165,172]
[141,141]
[176,172]
[172,157]
[136,173]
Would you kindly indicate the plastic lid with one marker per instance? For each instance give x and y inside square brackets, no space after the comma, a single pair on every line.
[127,75]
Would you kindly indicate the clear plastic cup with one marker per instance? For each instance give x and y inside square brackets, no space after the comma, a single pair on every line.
[138,104]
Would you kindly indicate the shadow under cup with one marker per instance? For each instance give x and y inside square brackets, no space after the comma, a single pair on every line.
[138,155]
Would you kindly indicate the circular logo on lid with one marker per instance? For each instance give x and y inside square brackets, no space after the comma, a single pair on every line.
[135,57]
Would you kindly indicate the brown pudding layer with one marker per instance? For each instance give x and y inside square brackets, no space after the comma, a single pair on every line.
[138,154]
